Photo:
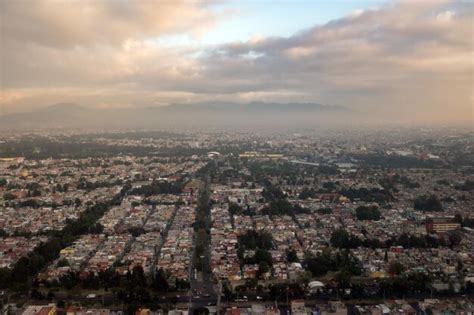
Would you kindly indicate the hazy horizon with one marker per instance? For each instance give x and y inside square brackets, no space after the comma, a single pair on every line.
[396,62]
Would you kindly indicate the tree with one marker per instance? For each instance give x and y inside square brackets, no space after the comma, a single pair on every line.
[306,193]
[368,213]
[320,264]
[235,209]
[427,203]
[291,256]
[97,228]
[343,278]
[455,238]
[253,239]
[396,268]
[272,193]
[8,196]
[3,182]
[263,268]
[278,207]
[340,238]
[137,278]
[467,186]
[62,262]
[458,218]
[160,281]
[50,295]
[136,231]
[4,277]
[77,202]
[69,280]
[324,211]
[367,195]
[261,255]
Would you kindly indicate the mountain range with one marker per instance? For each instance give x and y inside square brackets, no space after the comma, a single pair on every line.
[70,115]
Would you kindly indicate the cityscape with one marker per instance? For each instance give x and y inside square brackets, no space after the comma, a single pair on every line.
[325,222]
[236,157]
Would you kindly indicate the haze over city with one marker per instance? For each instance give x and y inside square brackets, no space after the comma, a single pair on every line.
[236,157]
[382,61]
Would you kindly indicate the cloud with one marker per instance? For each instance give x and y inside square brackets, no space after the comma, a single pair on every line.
[410,59]
[71,23]
[9,97]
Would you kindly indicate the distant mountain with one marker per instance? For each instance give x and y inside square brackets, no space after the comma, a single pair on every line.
[63,108]
[70,115]
[253,107]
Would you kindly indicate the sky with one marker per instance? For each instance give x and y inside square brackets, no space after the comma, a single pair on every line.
[401,60]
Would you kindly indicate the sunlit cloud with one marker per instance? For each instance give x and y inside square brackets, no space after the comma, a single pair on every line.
[415,56]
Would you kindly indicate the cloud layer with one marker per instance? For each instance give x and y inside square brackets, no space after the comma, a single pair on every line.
[409,60]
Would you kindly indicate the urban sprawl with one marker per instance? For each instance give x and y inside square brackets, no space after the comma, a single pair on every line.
[306,222]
